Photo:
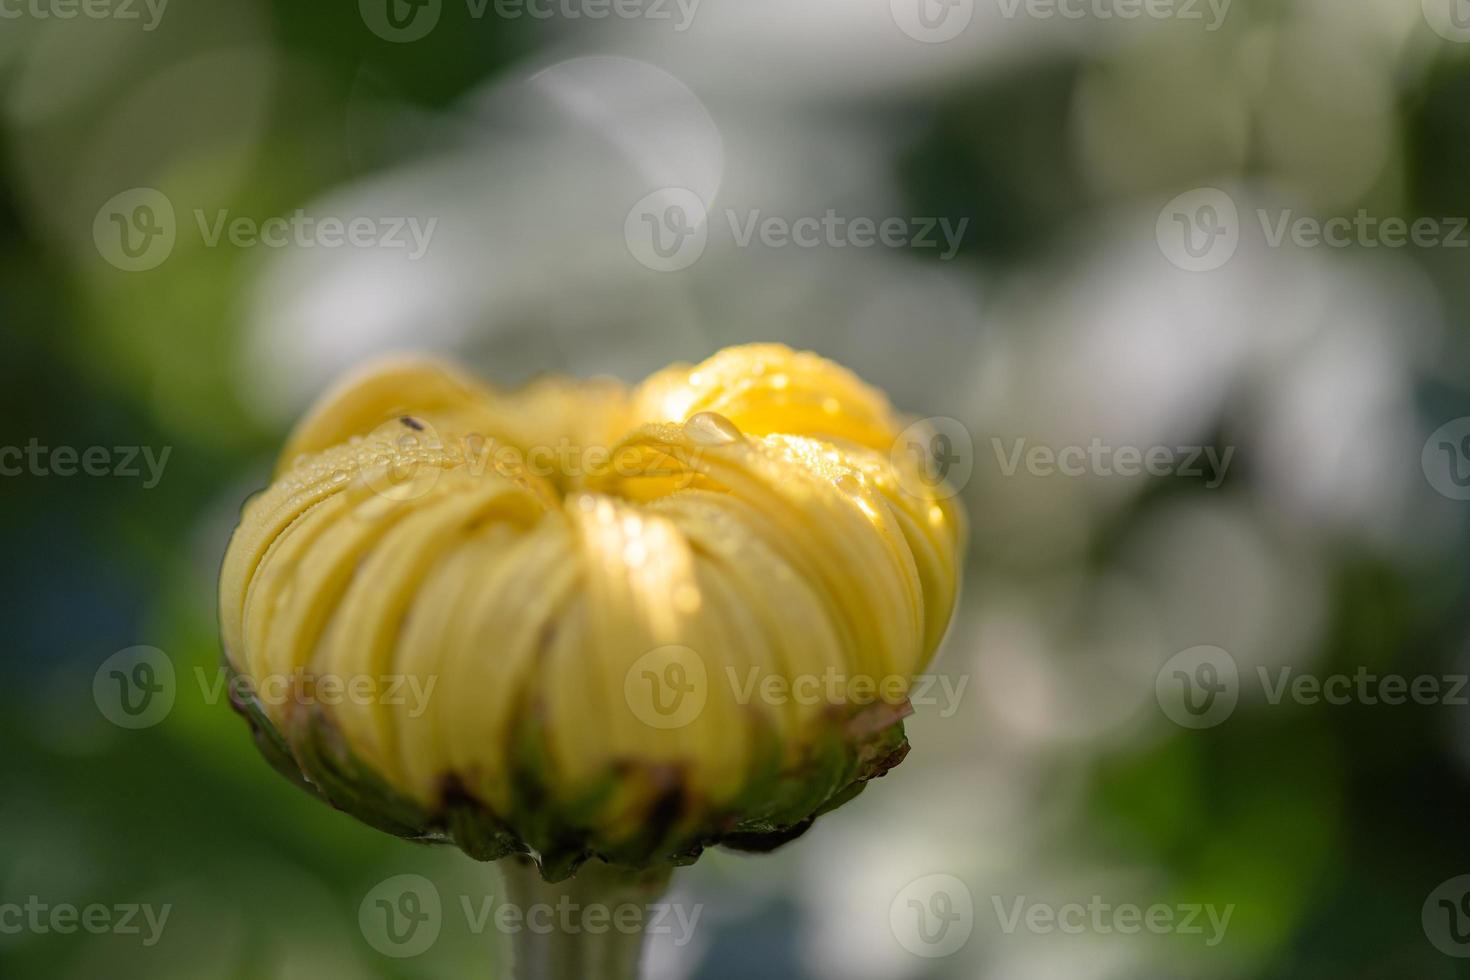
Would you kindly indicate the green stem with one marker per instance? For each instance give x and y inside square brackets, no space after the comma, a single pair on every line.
[589,927]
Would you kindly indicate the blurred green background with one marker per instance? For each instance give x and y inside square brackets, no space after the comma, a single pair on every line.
[1332,543]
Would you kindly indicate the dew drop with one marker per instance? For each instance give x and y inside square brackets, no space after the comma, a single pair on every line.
[711,429]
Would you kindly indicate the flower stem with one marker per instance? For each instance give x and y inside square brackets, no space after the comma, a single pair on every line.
[589,927]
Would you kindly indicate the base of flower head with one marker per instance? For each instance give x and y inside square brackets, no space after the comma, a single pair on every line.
[780,802]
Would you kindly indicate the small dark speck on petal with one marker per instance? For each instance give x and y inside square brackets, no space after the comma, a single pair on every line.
[412,423]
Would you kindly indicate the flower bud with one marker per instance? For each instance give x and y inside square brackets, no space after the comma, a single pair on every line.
[582,620]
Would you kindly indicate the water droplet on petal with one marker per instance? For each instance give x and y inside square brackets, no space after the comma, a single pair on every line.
[711,429]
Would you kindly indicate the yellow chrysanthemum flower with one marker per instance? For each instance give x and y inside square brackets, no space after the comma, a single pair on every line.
[580,620]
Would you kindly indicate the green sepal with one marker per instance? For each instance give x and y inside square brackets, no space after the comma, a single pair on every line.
[267,739]
[779,803]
